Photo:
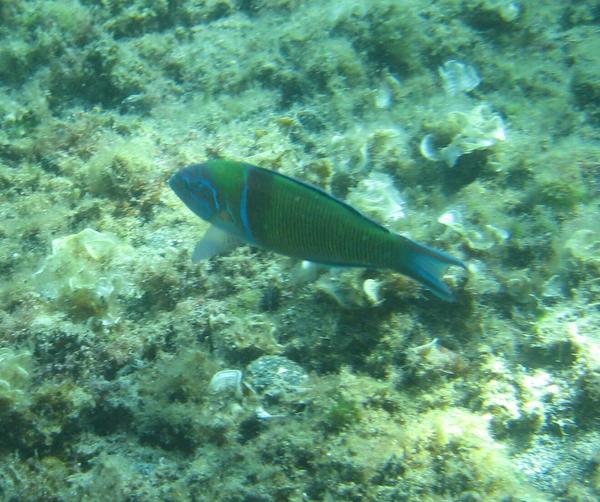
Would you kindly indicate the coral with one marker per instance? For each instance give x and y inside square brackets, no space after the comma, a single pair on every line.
[85,275]
[14,378]
[376,148]
[458,77]
[376,196]
[349,289]
[426,363]
[461,133]
[477,239]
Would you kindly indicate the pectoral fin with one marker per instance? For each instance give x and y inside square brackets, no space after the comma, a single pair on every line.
[215,241]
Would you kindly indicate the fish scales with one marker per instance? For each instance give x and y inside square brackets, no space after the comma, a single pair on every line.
[301,221]
[253,205]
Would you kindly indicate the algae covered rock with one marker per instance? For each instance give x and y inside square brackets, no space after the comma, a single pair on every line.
[279,382]
[276,375]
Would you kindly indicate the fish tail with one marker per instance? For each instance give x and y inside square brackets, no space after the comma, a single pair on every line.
[426,266]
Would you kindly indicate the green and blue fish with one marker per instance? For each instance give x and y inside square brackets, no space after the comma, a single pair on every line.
[256,206]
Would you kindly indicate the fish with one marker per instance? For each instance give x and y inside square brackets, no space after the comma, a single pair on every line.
[247,204]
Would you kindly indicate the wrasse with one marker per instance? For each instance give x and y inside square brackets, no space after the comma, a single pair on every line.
[256,206]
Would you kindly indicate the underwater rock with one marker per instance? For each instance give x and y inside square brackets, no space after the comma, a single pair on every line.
[539,390]
[276,375]
[517,397]
[583,335]
[585,54]
[246,336]
[500,394]
[582,249]
[272,383]
[279,383]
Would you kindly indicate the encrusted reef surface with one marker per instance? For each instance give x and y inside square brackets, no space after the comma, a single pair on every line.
[128,373]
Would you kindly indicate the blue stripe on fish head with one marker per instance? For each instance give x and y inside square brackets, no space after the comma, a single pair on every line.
[244,209]
[195,188]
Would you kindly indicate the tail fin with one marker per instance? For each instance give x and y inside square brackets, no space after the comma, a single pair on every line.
[426,265]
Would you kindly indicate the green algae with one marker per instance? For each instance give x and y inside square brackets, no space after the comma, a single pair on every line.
[109,338]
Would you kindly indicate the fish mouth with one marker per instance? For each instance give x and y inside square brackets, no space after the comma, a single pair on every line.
[177,183]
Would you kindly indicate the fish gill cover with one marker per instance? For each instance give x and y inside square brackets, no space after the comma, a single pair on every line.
[471,126]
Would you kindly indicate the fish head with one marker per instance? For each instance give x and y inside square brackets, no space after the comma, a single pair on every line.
[194,186]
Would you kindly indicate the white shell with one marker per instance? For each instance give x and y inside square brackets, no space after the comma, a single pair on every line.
[449,218]
[226,382]
[383,97]
[377,197]
[427,149]
[372,290]
[458,77]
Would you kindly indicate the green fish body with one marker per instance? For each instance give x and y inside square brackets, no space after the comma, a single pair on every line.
[276,212]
